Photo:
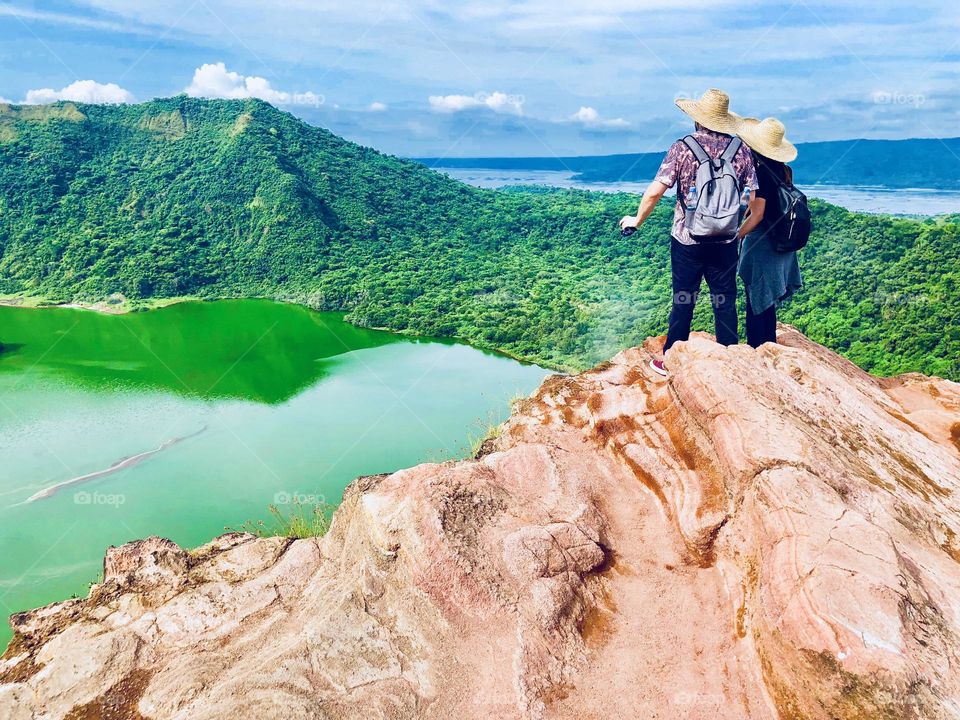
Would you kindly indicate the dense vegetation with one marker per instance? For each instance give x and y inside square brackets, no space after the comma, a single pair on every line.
[918,163]
[185,197]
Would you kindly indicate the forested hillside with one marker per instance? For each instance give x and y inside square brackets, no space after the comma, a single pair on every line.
[186,197]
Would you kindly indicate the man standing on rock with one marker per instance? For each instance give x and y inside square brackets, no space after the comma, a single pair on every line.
[711,252]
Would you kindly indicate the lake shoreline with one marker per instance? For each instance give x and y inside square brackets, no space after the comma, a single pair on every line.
[38,302]
[105,307]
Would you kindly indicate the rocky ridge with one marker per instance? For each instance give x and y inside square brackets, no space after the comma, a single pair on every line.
[768,533]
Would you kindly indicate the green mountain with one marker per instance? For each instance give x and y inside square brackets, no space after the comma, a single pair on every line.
[914,163]
[187,197]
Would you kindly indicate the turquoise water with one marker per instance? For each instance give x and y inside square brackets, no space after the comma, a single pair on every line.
[224,408]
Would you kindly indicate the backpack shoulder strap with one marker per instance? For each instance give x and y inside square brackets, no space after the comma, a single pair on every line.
[696,148]
[733,147]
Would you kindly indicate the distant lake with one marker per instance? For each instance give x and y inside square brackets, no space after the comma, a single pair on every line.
[913,201]
[181,421]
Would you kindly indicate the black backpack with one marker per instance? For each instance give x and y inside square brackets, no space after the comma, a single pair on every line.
[787,218]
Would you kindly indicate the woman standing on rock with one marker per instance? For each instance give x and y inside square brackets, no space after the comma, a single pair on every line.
[769,275]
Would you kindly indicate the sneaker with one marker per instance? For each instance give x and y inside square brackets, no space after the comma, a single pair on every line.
[658,368]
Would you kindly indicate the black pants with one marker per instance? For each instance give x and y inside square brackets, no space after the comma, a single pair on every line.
[690,264]
[761,327]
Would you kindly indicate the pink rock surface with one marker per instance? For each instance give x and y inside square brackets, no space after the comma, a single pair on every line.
[766,533]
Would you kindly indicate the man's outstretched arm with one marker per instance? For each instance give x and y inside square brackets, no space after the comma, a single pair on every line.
[651,197]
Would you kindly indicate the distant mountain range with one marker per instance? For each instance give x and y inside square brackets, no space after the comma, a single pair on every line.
[916,163]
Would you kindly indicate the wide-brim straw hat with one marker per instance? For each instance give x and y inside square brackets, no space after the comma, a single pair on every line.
[712,111]
[767,137]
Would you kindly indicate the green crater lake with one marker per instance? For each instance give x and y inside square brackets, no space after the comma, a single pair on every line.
[183,421]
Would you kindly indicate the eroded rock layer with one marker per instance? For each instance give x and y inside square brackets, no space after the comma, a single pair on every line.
[766,534]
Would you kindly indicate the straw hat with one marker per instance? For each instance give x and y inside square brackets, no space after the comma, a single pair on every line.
[767,138]
[712,111]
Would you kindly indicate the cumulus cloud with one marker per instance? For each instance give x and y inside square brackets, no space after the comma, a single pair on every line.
[497,101]
[87,91]
[452,103]
[213,80]
[377,107]
[589,117]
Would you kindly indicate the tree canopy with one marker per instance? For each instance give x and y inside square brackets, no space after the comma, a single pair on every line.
[209,199]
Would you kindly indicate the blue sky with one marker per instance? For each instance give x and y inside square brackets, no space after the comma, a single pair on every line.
[498,77]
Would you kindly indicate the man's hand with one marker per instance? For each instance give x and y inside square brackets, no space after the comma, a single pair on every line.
[651,197]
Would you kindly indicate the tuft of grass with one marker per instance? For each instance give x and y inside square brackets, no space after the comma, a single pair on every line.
[300,521]
[516,399]
[492,427]
[492,432]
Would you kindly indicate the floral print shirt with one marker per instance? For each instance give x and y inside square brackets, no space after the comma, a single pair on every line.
[680,167]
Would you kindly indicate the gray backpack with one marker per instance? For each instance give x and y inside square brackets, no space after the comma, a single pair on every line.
[716,216]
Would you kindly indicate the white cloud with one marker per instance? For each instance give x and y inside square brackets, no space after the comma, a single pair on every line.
[213,80]
[452,103]
[589,117]
[87,91]
[376,107]
[586,115]
[497,101]
[5,101]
